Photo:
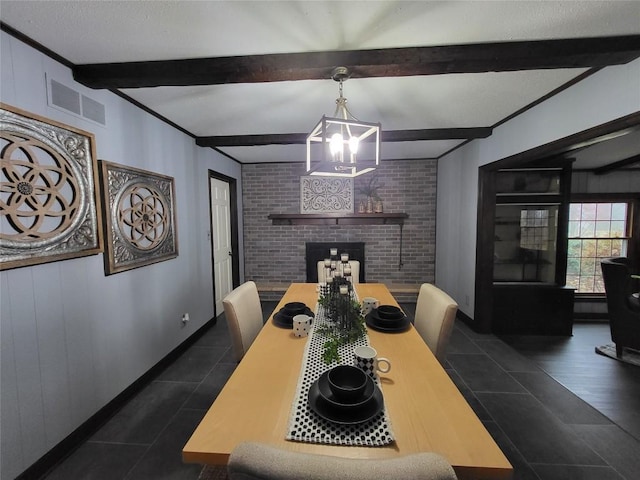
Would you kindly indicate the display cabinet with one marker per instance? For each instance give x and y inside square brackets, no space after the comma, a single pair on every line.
[523,251]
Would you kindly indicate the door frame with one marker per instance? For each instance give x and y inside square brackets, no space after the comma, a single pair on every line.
[233,220]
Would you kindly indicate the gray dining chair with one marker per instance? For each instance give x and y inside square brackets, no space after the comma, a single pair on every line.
[256,461]
[243,312]
[435,316]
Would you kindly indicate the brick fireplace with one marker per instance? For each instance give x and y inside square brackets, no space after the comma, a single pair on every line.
[276,254]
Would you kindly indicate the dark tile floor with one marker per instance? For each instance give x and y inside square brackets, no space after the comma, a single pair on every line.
[515,385]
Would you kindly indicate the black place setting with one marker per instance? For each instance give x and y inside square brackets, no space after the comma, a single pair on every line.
[345,395]
[388,318]
[284,317]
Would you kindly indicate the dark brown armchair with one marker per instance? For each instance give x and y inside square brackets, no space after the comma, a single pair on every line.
[624,309]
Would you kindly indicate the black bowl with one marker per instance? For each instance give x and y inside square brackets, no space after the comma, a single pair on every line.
[294,308]
[389,312]
[347,383]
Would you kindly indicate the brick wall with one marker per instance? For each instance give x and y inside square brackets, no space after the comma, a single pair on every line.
[275,253]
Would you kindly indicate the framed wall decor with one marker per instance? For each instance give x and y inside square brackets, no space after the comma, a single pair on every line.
[326,194]
[49,205]
[139,217]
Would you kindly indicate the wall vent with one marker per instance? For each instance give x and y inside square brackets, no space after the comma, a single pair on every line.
[71,101]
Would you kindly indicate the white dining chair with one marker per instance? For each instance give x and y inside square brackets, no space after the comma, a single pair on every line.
[243,312]
[355,271]
[434,319]
[256,461]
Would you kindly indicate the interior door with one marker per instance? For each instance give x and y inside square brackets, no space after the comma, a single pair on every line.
[221,243]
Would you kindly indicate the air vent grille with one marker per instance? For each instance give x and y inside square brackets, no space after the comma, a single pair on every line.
[71,101]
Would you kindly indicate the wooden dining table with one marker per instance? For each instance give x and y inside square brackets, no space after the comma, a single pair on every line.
[427,411]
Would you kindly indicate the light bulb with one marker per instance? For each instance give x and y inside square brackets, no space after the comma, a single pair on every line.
[336,144]
[354,142]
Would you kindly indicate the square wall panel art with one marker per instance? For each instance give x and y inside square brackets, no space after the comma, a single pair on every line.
[48,191]
[326,194]
[139,217]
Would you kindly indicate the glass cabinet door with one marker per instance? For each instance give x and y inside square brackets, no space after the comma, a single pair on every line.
[525,243]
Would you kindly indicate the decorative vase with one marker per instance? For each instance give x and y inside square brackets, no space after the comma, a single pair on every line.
[362,208]
[369,205]
[378,207]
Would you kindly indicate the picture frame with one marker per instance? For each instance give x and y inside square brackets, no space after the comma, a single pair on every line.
[320,194]
[49,195]
[139,217]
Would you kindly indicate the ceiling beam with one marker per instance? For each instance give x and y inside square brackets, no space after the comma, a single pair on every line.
[616,165]
[393,62]
[301,138]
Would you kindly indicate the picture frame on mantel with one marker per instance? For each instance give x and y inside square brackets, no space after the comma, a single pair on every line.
[326,194]
[139,217]
[48,191]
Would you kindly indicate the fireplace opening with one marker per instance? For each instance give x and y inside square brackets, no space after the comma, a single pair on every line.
[317,251]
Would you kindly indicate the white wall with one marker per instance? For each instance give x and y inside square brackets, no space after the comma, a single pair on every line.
[607,95]
[72,339]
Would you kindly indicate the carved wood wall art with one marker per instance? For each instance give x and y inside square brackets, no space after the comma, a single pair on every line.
[326,194]
[48,195]
[139,217]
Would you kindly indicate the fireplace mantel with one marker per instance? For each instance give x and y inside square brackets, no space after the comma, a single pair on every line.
[337,218]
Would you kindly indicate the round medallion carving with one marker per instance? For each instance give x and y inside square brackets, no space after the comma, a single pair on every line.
[143,216]
[40,192]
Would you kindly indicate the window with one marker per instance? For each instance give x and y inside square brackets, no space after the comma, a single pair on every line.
[596,230]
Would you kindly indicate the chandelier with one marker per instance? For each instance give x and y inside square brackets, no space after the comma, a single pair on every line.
[342,145]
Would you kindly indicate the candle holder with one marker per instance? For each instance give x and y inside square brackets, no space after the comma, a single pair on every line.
[344,313]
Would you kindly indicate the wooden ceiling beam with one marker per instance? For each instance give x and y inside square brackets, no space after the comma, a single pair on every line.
[616,165]
[393,62]
[301,138]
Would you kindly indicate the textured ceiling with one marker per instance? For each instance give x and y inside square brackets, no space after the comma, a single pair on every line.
[87,32]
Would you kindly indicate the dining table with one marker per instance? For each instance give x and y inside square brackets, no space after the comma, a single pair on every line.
[425,409]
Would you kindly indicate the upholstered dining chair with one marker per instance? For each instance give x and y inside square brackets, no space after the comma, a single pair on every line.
[435,315]
[243,312]
[256,461]
[623,308]
[355,271]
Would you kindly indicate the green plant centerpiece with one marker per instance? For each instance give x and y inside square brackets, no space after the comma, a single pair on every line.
[346,322]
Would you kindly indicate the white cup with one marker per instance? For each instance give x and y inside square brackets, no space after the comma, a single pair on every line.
[301,325]
[366,358]
[368,304]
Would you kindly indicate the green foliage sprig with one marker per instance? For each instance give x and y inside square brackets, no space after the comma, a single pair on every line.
[338,334]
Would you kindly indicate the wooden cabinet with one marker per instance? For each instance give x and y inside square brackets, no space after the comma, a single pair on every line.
[532,309]
[522,251]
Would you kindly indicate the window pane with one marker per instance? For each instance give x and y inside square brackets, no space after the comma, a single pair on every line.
[573,281]
[587,266]
[589,248]
[617,229]
[575,248]
[586,284]
[575,211]
[603,211]
[587,229]
[574,228]
[604,248]
[619,211]
[573,266]
[602,229]
[589,211]
[618,248]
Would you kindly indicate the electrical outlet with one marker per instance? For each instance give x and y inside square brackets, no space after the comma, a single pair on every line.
[185,318]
